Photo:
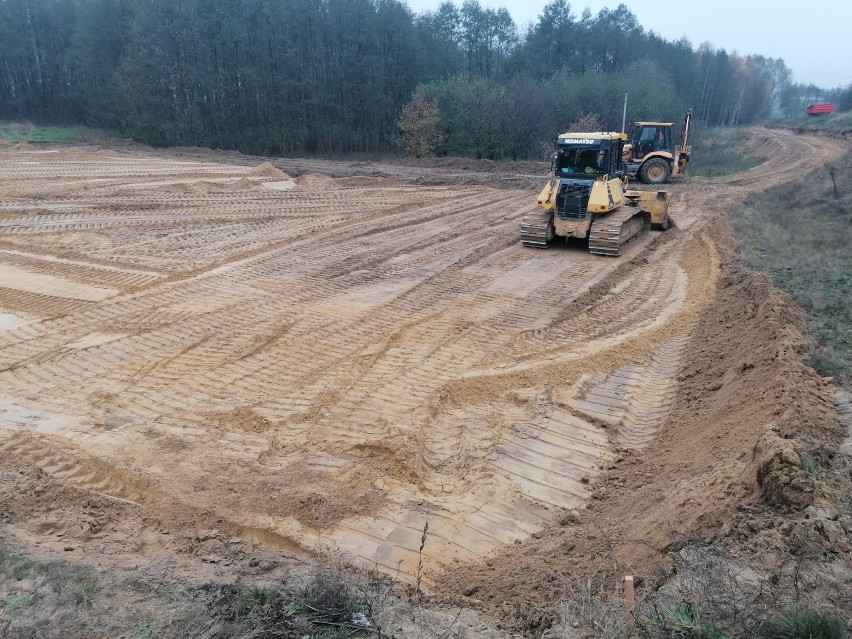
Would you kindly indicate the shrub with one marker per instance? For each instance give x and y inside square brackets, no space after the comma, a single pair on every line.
[805,623]
[84,593]
[332,593]
[687,620]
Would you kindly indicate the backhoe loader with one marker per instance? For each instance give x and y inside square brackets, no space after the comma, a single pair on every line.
[650,155]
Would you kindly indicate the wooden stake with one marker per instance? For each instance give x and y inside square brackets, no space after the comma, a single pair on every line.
[629,604]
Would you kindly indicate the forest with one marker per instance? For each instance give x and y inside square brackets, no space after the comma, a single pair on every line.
[335,77]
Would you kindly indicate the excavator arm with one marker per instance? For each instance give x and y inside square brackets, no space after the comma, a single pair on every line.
[683,151]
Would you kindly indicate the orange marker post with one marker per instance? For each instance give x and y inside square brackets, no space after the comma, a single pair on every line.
[629,605]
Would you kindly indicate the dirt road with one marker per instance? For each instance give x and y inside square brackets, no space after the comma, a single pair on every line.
[311,363]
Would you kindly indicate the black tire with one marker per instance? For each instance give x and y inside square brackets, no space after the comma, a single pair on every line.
[655,171]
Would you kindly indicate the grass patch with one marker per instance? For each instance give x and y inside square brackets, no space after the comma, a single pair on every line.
[721,151]
[58,599]
[83,594]
[332,593]
[799,234]
[805,623]
[14,132]
[15,602]
[583,609]
[836,123]
[686,620]
[143,629]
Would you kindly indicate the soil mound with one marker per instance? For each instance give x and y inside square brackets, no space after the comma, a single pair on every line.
[316,181]
[241,418]
[350,497]
[268,170]
[205,187]
[47,506]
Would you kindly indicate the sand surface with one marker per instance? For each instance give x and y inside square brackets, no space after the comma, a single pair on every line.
[333,362]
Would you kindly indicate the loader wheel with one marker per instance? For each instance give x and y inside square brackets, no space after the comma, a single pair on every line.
[655,171]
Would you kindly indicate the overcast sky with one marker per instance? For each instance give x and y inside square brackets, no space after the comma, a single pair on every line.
[814,38]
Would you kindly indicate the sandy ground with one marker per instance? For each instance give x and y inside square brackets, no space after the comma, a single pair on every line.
[193,341]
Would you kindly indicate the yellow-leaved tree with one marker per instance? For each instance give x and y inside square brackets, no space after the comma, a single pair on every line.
[418,126]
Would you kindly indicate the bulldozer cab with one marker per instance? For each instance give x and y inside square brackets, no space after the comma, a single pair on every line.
[648,137]
[588,157]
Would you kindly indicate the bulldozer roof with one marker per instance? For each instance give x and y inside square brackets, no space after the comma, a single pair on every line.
[654,123]
[599,135]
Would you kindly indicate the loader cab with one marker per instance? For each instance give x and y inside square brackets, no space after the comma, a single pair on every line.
[648,137]
[591,157]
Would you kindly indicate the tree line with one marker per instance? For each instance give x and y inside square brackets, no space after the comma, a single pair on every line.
[334,76]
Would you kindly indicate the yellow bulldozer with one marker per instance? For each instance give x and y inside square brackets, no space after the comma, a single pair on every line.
[585,197]
[650,154]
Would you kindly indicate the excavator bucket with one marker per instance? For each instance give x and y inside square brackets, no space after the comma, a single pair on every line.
[655,203]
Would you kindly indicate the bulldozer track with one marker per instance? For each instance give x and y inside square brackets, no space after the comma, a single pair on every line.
[634,399]
[534,228]
[611,231]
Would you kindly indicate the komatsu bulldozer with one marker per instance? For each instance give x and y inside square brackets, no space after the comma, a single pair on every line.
[585,197]
[651,155]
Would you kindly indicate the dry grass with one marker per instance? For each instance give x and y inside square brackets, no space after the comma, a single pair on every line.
[800,234]
[585,612]
[61,600]
[720,151]
[712,594]
[836,123]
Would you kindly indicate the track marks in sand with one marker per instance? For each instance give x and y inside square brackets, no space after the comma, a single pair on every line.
[383,346]
[634,399]
[79,469]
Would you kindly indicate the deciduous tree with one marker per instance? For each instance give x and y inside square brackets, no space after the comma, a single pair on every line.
[418,123]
